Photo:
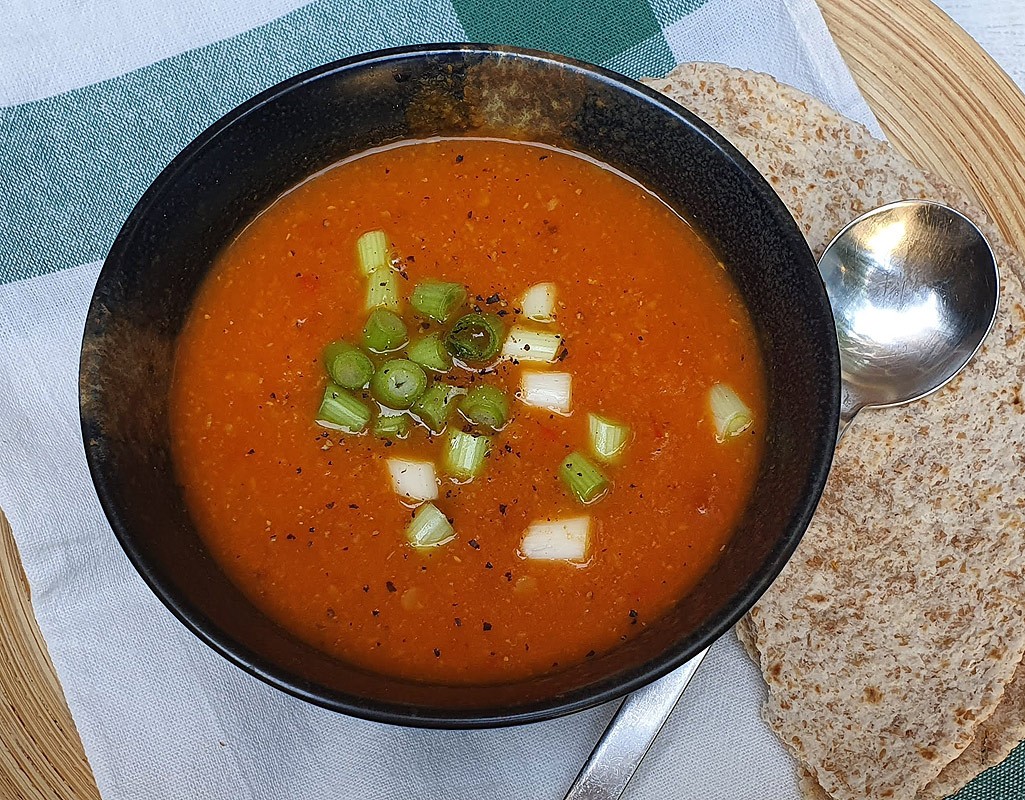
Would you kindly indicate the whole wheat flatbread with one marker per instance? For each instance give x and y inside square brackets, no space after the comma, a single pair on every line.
[889,639]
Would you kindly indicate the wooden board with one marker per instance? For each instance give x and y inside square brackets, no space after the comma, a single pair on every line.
[942,101]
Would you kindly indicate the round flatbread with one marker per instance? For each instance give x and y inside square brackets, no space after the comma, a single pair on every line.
[890,642]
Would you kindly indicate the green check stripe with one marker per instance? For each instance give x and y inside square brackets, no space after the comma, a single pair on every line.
[76,163]
[1003,782]
[601,28]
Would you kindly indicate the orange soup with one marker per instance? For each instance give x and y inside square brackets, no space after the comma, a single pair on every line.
[467,410]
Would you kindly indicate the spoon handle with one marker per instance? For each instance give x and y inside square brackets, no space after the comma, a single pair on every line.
[629,734]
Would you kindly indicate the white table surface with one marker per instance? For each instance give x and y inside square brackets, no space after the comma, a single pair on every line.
[998,25]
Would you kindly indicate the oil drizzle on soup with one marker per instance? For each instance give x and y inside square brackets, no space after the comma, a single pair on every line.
[305,521]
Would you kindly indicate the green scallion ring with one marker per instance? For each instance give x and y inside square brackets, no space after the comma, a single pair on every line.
[430,353]
[437,299]
[434,406]
[486,406]
[384,332]
[398,383]
[347,365]
[475,337]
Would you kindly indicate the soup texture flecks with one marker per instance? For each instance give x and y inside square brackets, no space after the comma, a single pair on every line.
[305,520]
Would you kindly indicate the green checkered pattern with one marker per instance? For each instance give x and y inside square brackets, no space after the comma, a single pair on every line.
[76,163]
[73,165]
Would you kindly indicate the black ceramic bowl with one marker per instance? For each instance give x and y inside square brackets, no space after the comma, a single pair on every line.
[251,156]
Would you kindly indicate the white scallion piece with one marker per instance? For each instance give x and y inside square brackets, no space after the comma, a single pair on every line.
[429,527]
[539,302]
[729,413]
[373,252]
[557,540]
[414,479]
[551,390]
[608,438]
[523,344]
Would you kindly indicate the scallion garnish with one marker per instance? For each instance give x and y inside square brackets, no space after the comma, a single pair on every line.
[413,479]
[434,406]
[392,426]
[557,540]
[347,365]
[475,337]
[729,413]
[539,302]
[486,406]
[384,332]
[429,527]
[373,252]
[608,438]
[465,454]
[341,411]
[398,383]
[437,299]
[382,290]
[430,353]
[583,478]
[523,344]
[550,390]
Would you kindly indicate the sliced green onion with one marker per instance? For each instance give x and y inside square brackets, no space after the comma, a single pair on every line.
[341,411]
[398,383]
[437,299]
[430,353]
[373,252]
[434,406]
[394,426]
[429,527]
[475,337]
[523,344]
[465,454]
[557,540]
[413,479]
[608,438]
[384,332]
[487,406]
[347,365]
[729,413]
[382,290]
[583,478]
[551,390]
[539,302]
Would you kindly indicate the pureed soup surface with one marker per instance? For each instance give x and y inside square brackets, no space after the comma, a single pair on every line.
[305,519]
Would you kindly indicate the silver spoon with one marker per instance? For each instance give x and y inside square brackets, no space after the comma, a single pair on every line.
[913,287]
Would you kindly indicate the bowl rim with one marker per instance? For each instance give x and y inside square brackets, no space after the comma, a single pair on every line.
[558,705]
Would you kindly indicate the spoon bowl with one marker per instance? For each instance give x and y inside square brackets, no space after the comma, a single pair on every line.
[913,286]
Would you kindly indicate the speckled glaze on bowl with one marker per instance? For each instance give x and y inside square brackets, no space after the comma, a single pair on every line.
[247,159]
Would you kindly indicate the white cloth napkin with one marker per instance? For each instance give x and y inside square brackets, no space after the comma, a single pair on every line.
[160,715]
